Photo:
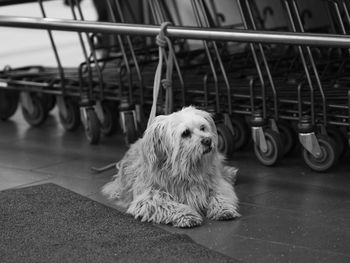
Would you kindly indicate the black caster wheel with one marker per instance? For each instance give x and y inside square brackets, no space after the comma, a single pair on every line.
[51,101]
[327,158]
[226,144]
[38,114]
[92,126]
[8,103]
[110,117]
[130,131]
[288,136]
[340,140]
[240,132]
[71,119]
[274,149]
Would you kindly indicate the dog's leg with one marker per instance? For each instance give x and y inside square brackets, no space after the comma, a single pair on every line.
[223,202]
[159,207]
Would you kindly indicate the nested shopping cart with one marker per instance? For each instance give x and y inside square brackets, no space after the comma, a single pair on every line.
[93,93]
[284,91]
[311,90]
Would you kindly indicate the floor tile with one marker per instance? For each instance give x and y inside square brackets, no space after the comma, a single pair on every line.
[254,250]
[10,177]
[28,158]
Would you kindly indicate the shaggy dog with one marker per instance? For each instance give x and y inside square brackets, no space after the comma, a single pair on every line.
[175,174]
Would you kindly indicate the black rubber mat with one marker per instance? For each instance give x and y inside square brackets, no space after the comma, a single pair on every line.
[47,223]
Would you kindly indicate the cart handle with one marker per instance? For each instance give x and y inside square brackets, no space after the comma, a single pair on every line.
[220,34]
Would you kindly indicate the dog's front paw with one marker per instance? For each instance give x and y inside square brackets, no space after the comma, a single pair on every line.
[223,214]
[220,209]
[188,220]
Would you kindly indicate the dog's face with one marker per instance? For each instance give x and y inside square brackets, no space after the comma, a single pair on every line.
[194,134]
[184,137]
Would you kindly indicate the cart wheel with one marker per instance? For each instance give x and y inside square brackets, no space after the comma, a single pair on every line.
[340,140]
[71,121]
[288,136]
[51,101]
[39,114]
[240,132]
[130,129]
[226,144]
[48,99]
[274,149]
[327,158]
[111,116]
[8,103]
[92,126]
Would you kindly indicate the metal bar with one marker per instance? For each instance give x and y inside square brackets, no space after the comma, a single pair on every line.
[306,69]
[217,56]
[288,38]
[91,46]
[257,66]
[209,56]
[55,50]
[313,63]
[264,61]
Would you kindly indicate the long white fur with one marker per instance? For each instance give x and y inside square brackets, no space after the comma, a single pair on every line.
[167,178]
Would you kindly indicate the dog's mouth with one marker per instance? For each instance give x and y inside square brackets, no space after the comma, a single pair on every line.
[207,150]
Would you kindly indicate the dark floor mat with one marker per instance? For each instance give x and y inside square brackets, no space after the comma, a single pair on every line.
[47,223]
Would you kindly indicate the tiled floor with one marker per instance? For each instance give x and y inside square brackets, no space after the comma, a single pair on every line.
[290,214]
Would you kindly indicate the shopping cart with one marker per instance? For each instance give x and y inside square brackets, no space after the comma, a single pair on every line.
[92,93]
[296,89]
[311,95]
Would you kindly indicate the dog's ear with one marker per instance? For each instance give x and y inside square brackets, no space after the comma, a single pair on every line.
[207,116]
[154,145]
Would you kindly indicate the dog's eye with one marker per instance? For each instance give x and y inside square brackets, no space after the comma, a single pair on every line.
[186,133]
[202,128]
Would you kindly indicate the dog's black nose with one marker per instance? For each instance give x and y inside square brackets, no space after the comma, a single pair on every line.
[206,141]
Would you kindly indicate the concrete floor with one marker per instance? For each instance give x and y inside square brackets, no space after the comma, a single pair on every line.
[289,213]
